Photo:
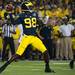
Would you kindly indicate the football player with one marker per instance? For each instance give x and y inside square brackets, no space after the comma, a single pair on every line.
[29,20]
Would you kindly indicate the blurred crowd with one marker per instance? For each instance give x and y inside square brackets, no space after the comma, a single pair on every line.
[58,34]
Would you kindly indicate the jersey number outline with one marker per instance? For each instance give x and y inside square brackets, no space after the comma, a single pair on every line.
[30,22]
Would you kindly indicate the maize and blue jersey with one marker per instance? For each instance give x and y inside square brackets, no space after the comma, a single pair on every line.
[29,22]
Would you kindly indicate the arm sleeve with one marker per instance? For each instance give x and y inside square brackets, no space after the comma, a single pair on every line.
[40,23]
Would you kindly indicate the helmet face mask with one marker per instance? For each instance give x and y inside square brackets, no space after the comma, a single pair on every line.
[27,6]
